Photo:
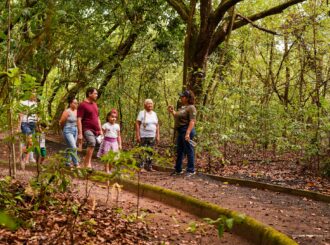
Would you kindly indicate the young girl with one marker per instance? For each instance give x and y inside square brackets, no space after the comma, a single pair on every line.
[112,138]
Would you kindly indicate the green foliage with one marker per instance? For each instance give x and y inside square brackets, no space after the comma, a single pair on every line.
[224,223]
[7,221]
[262,96]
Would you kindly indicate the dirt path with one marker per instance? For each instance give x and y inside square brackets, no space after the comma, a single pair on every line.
[306,221]
[169,225]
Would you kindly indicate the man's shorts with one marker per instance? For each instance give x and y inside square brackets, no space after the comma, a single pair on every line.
[90,137]
[28,128]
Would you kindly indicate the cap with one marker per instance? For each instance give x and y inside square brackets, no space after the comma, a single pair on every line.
[185,94]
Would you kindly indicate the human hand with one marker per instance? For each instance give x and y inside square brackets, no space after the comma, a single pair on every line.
[187,137]
[138,139]
[170,108]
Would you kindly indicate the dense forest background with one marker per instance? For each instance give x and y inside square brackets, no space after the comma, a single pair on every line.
[260,69]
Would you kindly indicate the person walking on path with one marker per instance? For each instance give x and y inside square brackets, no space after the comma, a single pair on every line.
[112,138]
[89,124]
[27,122]
[68,123]
[147,131]
[185,119]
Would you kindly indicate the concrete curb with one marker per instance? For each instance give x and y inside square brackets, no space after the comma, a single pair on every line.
[248,228]
[250,183]
[258,185]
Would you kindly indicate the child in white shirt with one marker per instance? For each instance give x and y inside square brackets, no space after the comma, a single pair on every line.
[112,138]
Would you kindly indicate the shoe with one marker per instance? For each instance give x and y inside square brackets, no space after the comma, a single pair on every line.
[151,169]
[32,160]
[189,174]
[175,173]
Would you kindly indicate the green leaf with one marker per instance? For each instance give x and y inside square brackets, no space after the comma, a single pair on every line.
[19,198]
[3,36]
[75,209]
[221,229]
[7,221]
[61,12]
[192,227]
[239,218]
[13,72]
[28,78]
[230,223]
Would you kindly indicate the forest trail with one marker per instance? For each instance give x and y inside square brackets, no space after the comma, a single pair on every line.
[304,220]
[165,223]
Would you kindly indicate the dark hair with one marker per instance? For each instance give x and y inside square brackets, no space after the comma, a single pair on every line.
[191,98]
[113,111]
[90,91]
[70,100]
[42,124]
[189,95]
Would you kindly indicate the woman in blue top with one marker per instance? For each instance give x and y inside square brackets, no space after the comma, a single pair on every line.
[68,122]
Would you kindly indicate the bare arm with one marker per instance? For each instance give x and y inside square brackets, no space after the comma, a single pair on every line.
[63,119]
[190,127]
[79,125]
[157,133]
[171,110]
[100,125]
[119,140]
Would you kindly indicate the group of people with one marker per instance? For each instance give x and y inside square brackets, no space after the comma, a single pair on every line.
[82,121]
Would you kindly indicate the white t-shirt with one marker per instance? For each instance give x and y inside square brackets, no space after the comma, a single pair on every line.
[30,106]
[149,121]
[111,130]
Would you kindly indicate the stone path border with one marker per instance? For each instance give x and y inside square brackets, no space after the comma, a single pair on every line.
[248,228]
[247,183]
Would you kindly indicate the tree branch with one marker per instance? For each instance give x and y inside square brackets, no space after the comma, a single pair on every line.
[181,8]
[272,11]
[220,34]
[258,27]
[222,9]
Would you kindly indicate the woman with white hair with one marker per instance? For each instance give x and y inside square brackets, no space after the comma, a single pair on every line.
[147,131]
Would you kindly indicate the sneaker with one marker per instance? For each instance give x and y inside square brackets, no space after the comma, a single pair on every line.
[150,169]
[175,173]
[32,160]
[189,174]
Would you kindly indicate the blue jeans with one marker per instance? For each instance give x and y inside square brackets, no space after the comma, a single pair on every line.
[28,128]
[70,135]
[184,147]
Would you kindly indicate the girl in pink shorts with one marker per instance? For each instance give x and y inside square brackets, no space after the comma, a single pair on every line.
[112,138]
